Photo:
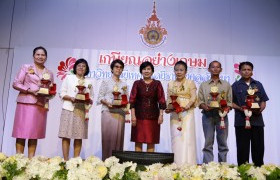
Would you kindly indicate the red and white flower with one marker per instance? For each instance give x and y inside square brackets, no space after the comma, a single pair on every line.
[66,67]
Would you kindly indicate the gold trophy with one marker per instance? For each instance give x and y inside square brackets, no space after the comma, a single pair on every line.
[117,101]
[250,101]
[45,84]
[214,94]
[81,96]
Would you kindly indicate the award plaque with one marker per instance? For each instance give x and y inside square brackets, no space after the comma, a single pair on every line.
[250,100]
[81,96]
[214,94]
[45,84]
[117,99]
[120,100]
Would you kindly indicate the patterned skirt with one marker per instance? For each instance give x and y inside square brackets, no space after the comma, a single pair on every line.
[73,124]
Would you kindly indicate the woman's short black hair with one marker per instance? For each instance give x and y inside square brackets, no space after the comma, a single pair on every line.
[181,63]
[79,61]
[40,47]
[115,62]
[246,63]
[146,64]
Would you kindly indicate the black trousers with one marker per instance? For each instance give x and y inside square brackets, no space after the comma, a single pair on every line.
[244,137]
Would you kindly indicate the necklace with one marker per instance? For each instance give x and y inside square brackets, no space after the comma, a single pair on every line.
[147,85]
[147,88]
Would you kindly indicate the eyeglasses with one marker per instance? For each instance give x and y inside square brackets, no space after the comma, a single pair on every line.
[119,67]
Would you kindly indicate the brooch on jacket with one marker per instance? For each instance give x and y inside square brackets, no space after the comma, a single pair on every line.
[31,70]
[89,86]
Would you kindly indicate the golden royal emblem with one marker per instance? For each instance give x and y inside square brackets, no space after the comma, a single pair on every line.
[153,35]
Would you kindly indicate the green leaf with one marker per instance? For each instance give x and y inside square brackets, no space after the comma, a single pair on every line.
[177,176]
[117,177]
[140,168]
[62,173]
[275,174]
[243,171]
[11,170]
[126,170]
[131,175]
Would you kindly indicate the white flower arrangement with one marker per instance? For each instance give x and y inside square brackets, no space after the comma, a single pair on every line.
[151,171]
[73,163]
[98,165]
[154,167]
[43,167]
[36,167]
[18,167]
[111,161]
[146,175]
[256,172]
[13,166]
[92,169]
[191,171]
[229,172]
[116,171]
[21,160]
[212,171]
[22,176]
[2,157]
[268,168]
[166,173]
[1,171]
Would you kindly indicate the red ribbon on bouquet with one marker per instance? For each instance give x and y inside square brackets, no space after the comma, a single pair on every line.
[175,104]
[52,89]
[88,103]
[224,109]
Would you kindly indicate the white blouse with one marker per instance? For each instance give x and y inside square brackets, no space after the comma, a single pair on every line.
[106,91]
[69,88]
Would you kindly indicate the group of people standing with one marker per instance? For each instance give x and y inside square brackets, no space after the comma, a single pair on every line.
[147,104]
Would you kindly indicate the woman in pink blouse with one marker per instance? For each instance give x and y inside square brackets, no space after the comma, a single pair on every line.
[31,111]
